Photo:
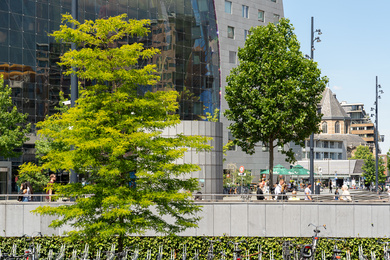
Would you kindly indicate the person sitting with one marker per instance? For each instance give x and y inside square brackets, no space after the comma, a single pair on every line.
[345,195]
[294,196]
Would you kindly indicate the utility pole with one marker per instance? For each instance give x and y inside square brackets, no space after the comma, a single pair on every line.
[74,89]
[312,40]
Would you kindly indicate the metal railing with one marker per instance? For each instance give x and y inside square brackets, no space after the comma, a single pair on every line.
[249,197]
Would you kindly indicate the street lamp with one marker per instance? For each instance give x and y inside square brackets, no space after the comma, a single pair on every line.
[377,96]
[312,41]
[74,90]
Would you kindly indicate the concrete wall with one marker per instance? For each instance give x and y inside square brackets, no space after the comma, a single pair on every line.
[265,219]
[210,174]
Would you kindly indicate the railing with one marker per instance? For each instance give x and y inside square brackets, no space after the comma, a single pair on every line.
[289,198]
[248,198]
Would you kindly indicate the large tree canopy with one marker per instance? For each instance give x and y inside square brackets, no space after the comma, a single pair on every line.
[13,124]
[116,133]
[274,91]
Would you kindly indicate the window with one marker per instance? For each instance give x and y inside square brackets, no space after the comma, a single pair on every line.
[273,1]
[232,57]
[230,139]
[246,33]
[245,11]
[332,146]
[276,18]
[326,144]
[260,15]
[228,7]
[318,156]
[340,157]
[324,128]
[326,155]
[230,32]
[337,127]
[340,145]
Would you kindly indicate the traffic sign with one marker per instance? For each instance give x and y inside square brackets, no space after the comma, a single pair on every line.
[242,169]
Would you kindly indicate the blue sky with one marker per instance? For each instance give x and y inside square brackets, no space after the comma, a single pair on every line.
[354,49]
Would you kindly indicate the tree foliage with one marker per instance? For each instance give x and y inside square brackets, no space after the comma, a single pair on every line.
[273,93]
[13,125]
[116,131]
[369,167]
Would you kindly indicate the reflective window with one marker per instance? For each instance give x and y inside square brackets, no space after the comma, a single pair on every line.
[337,127]
[324,128]
[230,32]
[246,33]
[260,15]
[184,30]
[232,57]
[228,7]
[245,11]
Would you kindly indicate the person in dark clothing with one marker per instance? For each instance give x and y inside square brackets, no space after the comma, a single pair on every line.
[260,192]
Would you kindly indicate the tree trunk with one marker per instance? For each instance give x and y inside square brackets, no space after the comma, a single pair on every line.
[271,164]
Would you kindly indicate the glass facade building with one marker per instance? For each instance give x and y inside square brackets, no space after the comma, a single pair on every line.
[184,30]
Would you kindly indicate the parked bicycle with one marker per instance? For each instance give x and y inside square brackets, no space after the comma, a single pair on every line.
[309,251]
[336,252]
[236,250]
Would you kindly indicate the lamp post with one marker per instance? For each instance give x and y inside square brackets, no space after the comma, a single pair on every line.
[377,96]
[74,90]
[312,40]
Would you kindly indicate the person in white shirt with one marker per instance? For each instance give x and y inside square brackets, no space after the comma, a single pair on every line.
[278,190]
[308,192]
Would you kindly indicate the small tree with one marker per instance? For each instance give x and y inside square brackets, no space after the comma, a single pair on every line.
[116,133]
[369,167]
[273,93]
[13,125]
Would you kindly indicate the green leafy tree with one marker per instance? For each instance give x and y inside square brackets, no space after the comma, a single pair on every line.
[234,179]
[369,167]
[13,125]
[274,91]
[117,137]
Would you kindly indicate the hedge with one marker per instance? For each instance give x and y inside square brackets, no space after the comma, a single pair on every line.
[176,244]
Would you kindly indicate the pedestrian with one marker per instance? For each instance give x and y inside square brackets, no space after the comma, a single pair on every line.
[330,187]
[336,194]
[26,191]
[345,195]
[279,190]
[50,189]
[308,192]
[294,196]
[260,191]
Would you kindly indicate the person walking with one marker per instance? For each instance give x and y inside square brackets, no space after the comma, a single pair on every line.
[260,191]
[49,188]
[26,191]
[330,186]
[308,192]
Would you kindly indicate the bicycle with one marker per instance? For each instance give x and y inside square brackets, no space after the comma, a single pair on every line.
[236,250]
[362,256]
[210,251]
[288,251]
[309,251]
[386,250]
[336,252]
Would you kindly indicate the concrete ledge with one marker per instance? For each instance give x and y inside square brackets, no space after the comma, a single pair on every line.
[266,219]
